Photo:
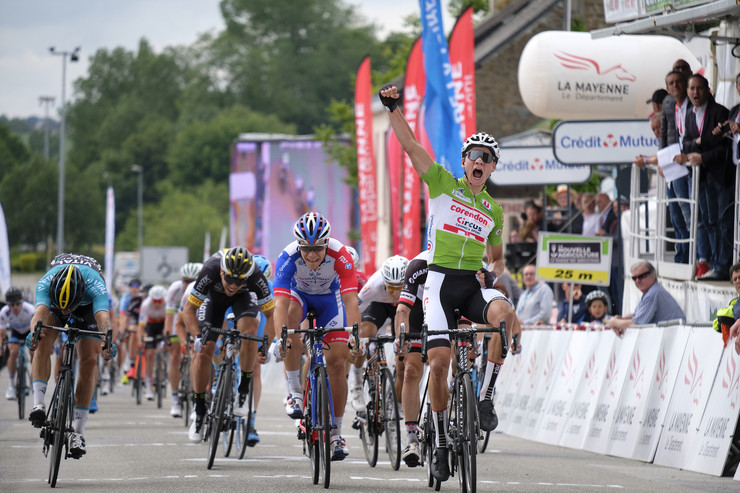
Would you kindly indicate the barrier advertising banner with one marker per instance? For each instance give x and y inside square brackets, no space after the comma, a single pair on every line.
[616,371]
[569,375]
[719,419]
[634,397]
[585,401]
[689,399]
[508,384]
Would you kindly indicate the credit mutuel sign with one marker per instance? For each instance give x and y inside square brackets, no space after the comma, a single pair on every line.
[602,142]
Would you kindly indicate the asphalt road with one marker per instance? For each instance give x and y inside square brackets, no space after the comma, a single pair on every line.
[141,448]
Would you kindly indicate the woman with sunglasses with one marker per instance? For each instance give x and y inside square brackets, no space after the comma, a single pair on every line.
[16,318]
[229,278]
[656,304]
[316,273]
[464,225]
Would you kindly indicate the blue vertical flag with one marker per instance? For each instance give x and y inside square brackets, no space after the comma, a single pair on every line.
[442,118]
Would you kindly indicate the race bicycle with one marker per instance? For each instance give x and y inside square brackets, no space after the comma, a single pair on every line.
[381,411]
[318,407]
[464,425]
[57,426]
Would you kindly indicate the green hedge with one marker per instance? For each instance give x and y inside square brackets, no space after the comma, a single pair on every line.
[28,262]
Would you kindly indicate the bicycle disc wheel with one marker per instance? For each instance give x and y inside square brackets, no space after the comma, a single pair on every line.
[244,443]
[217,418]
[20,384]
[323,424]
[467,438]
[369,427]
[59,423]
[389,418]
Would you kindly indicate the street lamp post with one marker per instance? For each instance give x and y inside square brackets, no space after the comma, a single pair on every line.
[139,171]
[73,57]
[46,101]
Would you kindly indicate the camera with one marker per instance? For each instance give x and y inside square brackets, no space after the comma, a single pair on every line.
[725,127]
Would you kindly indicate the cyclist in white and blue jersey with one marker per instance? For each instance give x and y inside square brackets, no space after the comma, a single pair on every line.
[15,322]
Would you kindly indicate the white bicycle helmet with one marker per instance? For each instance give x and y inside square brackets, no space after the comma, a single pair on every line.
[191,270]
[355,256]
[481,139]
[157,292]
[394,269]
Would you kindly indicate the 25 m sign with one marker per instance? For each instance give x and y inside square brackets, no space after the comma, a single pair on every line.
[574,258]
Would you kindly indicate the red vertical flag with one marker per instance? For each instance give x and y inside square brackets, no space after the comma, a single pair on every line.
[394,159]
[462,61]
[368,192]
[413,94]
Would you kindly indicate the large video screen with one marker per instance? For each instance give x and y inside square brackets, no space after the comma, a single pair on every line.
[274,182]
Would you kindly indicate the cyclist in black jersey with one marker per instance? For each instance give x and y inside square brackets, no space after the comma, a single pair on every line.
[229,278]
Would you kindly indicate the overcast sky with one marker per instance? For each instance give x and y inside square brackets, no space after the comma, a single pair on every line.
[28,28]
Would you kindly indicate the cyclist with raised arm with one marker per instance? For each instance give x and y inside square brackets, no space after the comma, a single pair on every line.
[15,322]
[73,290]
[316,273]
[229,278]
[464,225]
[151,325]
[378,301]
[188,273]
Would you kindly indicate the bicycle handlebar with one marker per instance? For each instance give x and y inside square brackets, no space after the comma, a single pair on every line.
[233,334]
[107,336]
[285,331]
[466,331]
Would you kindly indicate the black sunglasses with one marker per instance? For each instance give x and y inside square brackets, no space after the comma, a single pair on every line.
[315,249]
[640,276]
[15,303]
[236,281]
[487,157]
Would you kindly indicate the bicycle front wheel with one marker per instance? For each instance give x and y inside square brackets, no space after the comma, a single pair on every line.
[467,430]
[21,384]
[217,418]
[139,374]
[245,423]
[323,424]
[369,425]
[184,390]
[58,422]
[159,378]
[389,418]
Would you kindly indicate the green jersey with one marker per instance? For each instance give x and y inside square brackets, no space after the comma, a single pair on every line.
[460,224]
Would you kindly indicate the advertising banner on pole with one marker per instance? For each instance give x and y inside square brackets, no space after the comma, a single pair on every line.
[110,236]
[462,63]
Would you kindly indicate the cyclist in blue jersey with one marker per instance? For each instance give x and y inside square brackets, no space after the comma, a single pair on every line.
[15,317]
[464,224]
[73,287]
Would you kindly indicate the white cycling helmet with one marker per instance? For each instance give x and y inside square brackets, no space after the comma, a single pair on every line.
[191,270]
[481,139]
[355,256]
[157,292]
[394,269]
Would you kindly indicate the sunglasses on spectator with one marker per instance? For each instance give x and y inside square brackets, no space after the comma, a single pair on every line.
[235,281]
[681,67]
[15,303]
[640,276]
[487,157]
[311,248]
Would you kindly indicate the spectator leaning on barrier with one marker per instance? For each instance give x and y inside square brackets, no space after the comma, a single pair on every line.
[535,302]
[656,305]
[727,316]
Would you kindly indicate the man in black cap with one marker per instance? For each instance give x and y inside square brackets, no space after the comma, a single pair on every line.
[657,101]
